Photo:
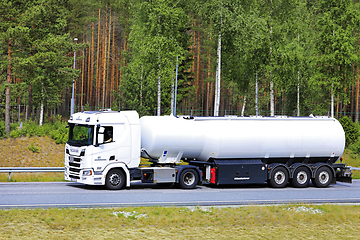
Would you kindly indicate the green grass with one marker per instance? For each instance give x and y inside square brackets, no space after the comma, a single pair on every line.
[249,222]
[33,177]
[352,159]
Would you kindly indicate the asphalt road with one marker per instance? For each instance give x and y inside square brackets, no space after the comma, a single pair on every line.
[69,194]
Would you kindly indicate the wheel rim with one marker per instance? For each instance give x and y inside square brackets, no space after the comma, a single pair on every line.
[115,179]
[279,177]
[189,178]
[301,177]
[324,177]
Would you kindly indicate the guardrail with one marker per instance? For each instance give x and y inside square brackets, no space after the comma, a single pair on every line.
[30,169]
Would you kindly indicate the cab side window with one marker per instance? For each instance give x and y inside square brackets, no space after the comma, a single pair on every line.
[105,135]
[108,134]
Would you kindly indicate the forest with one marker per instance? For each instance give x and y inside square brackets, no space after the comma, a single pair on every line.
[183,57]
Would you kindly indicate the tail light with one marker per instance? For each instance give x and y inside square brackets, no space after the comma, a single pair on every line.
[212,175]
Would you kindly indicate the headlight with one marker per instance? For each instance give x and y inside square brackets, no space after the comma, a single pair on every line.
[87,173]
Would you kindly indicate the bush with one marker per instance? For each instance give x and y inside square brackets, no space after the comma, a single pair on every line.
[56,130]
[355,147]
[2,130]
[351,130]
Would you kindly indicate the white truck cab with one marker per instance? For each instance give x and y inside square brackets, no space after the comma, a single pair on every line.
[99,142]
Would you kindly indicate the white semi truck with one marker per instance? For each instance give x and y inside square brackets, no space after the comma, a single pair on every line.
[105,148]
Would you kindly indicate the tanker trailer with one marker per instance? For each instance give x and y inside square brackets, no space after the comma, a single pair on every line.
[243,150]
[104,148]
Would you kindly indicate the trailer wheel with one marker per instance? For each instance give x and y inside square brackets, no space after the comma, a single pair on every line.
[323,177]
[115,179]
[279,177]
[301,178]
[188,178]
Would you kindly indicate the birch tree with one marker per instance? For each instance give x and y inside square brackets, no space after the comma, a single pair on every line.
[157,36]
[336,45]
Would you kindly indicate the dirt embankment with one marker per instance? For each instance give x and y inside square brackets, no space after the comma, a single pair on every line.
[31,152]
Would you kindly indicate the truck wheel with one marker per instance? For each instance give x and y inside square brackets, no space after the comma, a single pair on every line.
[301,178]
[323,177]
[188,178]
[115,179]
[279,177]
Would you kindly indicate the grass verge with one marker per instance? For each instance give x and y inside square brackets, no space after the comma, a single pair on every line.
[249,222]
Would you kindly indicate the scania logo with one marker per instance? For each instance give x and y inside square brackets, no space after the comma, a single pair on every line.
[74,150]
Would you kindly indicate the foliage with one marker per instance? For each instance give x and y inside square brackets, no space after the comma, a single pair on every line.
[33,148]
[157,36]
[56,130]
[2,130]
[307,49]
[355,146]
[336,44]
[351,130]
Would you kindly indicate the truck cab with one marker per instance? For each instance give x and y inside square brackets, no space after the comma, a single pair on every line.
[99,142]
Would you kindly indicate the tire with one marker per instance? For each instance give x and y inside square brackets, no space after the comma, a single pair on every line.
[301,178]
[188,179]
[323,177]
[279,177]
[115,179]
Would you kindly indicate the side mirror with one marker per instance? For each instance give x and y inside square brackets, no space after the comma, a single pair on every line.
[100,136]
[101,130]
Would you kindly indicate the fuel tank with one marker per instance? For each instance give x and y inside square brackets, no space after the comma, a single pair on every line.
[271,139]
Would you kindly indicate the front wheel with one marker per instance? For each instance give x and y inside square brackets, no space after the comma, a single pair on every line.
[115,179]
[279,177]
[188,178]
[323,177]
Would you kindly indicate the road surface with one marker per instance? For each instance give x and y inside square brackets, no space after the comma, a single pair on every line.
[70,194]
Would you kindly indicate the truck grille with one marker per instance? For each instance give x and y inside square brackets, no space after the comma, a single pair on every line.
[74,159]
[77,165]
[73,176]
[74,170]
[74,167]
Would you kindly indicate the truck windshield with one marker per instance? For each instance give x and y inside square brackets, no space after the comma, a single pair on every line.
[80,135]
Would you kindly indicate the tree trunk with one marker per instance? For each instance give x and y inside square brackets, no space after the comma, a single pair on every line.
[91,77]
[357,96]
[243,106]
[272,99]
[41,110]
[218,77]
[104,60]
[332,101]
[97,88]
[256,94]
[113,65]
[159,92]
[298,95]
[7,93]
